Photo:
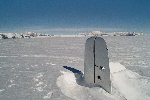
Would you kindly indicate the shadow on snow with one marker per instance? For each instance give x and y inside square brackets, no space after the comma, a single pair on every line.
[80,77]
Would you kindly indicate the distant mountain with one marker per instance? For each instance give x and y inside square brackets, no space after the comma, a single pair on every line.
[98,33]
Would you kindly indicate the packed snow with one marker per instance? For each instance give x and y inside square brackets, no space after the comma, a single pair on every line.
[52,69]
[125,85]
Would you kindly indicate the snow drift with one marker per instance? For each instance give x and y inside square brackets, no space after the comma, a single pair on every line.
[126,85]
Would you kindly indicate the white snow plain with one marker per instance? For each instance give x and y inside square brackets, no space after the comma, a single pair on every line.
[52,69]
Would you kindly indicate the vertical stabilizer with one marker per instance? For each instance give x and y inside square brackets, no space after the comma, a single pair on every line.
[96,63]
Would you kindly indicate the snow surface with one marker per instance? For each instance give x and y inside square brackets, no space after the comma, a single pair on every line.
[125,85]
[52,69]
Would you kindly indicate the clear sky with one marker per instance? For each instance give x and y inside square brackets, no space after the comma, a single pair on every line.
[74,16]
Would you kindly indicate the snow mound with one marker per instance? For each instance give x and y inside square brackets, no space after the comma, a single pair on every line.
[116,67]
[69,87]
[131,85]
[126,85]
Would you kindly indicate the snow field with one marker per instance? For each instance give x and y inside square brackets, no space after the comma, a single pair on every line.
[32,69]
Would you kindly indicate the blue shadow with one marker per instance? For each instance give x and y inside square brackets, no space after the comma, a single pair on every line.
[79,77]
[72,69]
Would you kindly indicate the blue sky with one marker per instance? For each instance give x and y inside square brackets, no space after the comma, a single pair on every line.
[74,16]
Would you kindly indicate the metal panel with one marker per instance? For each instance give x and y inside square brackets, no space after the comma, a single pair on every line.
[96,63]
[102,71]
[89,61]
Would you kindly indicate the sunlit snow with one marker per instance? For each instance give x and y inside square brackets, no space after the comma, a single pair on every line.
[38,69]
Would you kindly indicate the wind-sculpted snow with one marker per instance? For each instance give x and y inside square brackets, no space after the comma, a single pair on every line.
[126,85]
[52,69]
[131,85]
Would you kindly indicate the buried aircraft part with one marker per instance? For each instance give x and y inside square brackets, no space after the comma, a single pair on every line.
[96,63]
